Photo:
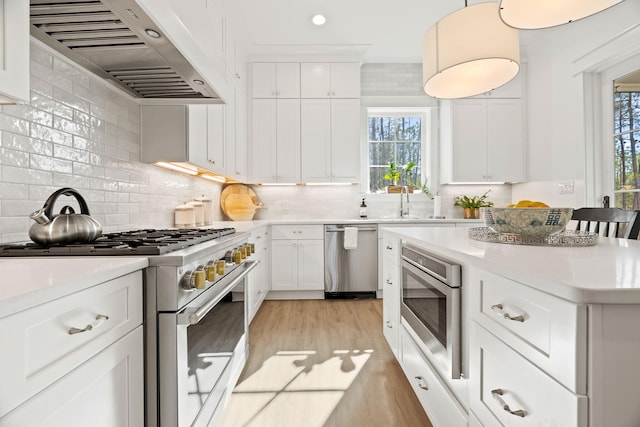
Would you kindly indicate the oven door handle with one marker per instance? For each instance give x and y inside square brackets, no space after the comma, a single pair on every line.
[197,316]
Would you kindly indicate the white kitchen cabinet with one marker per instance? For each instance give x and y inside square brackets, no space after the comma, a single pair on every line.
[297,258]
[107,390]
[330,140]
[508,390]
[275,141]
[14,51]
[234,136]
[392,292]
[439,403]
[193,135]
[330,80]
[258,281]
[483,141]
[275,80]
[64,372]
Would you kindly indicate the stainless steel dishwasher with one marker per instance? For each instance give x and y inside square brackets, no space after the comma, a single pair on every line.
[350,273]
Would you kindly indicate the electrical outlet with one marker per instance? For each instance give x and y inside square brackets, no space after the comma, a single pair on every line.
[565,187]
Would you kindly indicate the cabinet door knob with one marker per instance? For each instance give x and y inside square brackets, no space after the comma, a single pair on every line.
[389,248]
[497,396]
[388,324]
[389,282]
[421,383]
[213,162]
[498,308]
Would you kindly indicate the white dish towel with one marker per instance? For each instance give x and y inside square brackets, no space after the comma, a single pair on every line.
[350,237]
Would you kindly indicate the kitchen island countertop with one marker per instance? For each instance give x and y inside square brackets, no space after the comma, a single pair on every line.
[608,273]
[27,282]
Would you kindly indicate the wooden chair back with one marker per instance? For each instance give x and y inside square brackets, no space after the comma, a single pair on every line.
[608,222]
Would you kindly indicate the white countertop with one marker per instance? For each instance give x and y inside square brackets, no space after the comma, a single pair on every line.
[606,273]
[27,282]
[250,225]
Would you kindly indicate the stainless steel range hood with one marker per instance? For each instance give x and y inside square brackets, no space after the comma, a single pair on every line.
[117,41]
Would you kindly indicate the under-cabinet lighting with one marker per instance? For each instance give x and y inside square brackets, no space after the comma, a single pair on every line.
[213,177]
[278,184]
[176,168]
[334,184]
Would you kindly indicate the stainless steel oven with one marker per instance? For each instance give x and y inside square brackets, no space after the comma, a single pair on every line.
[196,326]
[431,305]
[201,347]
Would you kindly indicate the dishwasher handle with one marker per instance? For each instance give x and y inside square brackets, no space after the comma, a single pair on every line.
[340,228]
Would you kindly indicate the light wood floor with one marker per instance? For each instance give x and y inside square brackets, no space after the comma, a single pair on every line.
[322,363]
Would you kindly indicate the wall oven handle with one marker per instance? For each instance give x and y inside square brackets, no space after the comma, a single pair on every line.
[194,318]
[498,308]
[497,396]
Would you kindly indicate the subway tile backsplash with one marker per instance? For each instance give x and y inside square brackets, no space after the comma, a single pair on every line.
[78,132]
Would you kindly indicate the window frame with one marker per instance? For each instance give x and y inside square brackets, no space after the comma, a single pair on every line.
[428,152]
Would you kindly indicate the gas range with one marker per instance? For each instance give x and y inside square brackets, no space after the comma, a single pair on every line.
[136,242]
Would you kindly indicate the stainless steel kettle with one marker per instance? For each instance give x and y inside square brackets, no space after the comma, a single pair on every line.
[65,227]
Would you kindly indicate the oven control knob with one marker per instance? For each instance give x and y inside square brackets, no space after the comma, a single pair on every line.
[200,278]
[210,269]
[188,281]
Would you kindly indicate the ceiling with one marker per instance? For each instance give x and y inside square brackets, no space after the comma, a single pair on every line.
[377,31]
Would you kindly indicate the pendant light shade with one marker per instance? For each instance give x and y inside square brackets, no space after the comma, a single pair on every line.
[534,14]
[469,52]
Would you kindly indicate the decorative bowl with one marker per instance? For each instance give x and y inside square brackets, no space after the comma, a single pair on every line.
[528,221]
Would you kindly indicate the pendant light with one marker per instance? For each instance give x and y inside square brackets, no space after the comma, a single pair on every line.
[534,14]
[469,52]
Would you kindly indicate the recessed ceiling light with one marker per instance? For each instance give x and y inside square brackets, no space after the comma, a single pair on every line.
[318,19]
[198,82]
[152,33]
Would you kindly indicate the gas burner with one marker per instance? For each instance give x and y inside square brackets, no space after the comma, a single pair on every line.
[135,242]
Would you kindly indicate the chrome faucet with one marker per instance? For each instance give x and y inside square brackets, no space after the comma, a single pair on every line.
[404,210]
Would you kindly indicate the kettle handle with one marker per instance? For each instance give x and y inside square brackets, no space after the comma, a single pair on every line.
[48,205]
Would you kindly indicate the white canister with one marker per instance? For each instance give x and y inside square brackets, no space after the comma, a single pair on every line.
[199,212]
[184,216]
[208,209]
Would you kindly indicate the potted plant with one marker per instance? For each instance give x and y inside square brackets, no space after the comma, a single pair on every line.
[394,172]
[472,205]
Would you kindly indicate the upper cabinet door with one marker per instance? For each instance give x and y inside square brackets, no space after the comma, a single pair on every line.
[469,140]
[505,148]
[14,51]
[345,140]
[335,80]
[275,80]
[345,80]
[315,80]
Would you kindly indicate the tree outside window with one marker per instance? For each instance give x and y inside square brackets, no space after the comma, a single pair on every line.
[395,139]
[627,149]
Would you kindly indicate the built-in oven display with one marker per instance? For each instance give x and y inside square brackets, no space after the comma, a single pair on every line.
[210,346]
[427,303]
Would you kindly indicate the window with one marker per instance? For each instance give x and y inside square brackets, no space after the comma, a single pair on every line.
[398,137]
[627,150]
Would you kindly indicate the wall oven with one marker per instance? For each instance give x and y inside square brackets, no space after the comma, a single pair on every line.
[431,305]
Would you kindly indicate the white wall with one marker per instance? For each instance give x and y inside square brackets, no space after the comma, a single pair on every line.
[555,106]
[77,132]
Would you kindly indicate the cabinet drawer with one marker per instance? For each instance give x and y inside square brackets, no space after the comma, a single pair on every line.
[297,232]
[439,403]
[44,347]
[549,331]
[503,377]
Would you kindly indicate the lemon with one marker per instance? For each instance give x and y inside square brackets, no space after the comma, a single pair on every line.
[523,204]
[538,205]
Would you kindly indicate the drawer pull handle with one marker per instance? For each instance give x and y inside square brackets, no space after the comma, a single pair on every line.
[389,247]
[498,308]
[100,319]
[497,396]
[389,282]
[421,383]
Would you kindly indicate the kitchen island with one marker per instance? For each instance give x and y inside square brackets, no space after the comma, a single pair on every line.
[548,332]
